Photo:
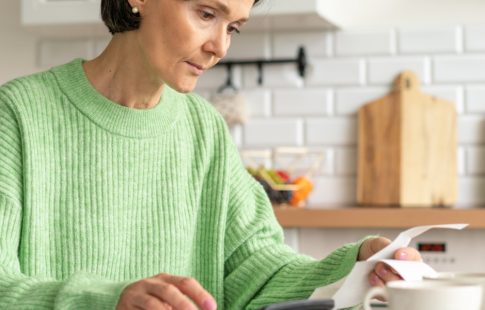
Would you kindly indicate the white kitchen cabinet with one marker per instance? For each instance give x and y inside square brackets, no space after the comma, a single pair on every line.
[288,14]
[60,12]
[351,14]
[402,13]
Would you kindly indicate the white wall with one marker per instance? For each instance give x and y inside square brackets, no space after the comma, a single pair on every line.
[347,68]
[24,50]
[17,47]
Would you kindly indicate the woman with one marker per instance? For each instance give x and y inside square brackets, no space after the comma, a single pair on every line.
[118,189]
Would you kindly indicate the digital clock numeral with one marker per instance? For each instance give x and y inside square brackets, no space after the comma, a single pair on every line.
[432,247]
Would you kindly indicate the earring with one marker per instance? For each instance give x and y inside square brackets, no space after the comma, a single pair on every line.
[134,10]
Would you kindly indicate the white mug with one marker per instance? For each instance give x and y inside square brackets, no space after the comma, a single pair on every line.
[427,295]
[463,277]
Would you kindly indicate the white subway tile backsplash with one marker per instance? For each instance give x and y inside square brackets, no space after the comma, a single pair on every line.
[459,69]
[327,167]
[474,35]
[236,133]
[310,163]
[453,94]
[324,72]
[305,102]
[430,40]
[460,161]
[249,46]
[256,157]
[475,158]
[475,99]
[215,78]
[53,52]
[385,70]
[471,129]
[364,42]
[258,102]
[274,76]
[346,161]
[316,43]
[471,191]
[331,131]
[349,100]
[273,132]
[332,191]
[346,70]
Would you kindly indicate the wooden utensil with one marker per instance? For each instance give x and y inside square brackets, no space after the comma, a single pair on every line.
[407,148]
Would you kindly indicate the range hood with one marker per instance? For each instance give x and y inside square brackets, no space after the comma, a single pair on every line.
[82,16]
[344,14]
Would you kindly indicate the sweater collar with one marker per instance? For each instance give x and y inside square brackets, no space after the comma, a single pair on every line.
[129,122]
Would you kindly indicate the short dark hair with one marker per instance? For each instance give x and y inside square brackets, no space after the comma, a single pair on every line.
[118,17]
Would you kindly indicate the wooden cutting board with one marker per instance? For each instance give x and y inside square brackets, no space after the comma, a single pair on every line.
[407,148]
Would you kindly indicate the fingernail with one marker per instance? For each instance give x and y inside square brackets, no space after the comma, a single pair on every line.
[373,280]
[402,255]
[209,305]
[383,271]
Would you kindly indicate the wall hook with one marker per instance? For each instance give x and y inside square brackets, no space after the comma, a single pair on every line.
[300,61]
[260,73]
[229,84]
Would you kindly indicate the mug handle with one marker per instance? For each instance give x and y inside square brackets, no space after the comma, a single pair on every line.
[374,292]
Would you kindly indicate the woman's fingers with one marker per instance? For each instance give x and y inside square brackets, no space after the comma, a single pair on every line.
[169,294]
[407,254]
[372,246]
[382,273]
[386,273]
[192,289]
[374,279]
[147,301]
[166,292]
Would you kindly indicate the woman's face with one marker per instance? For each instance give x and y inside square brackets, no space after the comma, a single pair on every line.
[180,39]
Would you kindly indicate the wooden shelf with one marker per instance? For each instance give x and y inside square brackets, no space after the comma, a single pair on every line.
[377,217]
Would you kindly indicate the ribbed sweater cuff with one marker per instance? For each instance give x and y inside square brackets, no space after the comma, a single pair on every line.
[333,268]
[300,277]
[347,255]
[84,292]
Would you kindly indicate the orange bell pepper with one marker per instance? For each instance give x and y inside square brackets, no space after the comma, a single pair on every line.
[305,188]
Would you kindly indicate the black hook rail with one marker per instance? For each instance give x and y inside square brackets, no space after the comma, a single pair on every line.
[300,61]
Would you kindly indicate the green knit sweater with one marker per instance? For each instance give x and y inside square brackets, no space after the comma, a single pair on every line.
[94,196]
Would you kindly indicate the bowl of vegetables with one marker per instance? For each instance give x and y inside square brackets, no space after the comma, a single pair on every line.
[284,173]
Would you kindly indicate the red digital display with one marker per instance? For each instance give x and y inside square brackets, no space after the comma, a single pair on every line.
[432,247]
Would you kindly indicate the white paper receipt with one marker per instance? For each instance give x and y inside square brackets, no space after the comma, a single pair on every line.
[356,284]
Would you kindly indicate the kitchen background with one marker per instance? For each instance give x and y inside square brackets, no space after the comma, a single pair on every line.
[346,69]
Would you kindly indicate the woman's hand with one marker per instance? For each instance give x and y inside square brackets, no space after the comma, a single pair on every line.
[382,273]
[166,292]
